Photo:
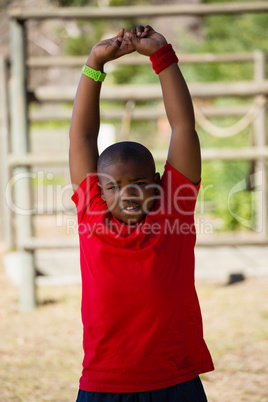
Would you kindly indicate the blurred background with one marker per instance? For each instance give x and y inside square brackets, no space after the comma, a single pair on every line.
[222,53]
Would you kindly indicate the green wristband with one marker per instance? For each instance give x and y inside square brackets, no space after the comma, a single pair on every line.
[94,74]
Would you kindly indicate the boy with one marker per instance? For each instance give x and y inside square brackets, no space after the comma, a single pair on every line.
[143,338]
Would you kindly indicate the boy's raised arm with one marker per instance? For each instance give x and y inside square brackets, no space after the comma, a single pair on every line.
[184,150]
[85,123]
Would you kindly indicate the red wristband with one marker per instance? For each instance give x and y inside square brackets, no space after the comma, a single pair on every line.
[163,57]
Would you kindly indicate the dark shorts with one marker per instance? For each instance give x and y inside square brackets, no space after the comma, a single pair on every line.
[189,391]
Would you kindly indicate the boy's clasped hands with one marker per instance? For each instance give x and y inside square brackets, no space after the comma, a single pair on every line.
[144,40]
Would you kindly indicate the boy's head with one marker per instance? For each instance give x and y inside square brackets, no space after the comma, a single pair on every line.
[128,180]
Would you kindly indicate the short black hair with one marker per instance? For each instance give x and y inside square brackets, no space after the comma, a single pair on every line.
[124,151]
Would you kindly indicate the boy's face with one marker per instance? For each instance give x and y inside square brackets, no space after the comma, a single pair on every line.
[129,189]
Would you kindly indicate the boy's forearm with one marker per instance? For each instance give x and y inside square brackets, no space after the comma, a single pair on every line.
[86,114]
[184,149]
[177,99]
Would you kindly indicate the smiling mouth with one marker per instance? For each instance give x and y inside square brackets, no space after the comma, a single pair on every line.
[131,209]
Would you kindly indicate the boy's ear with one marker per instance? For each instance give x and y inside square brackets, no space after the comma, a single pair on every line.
[157,178]
[101,190]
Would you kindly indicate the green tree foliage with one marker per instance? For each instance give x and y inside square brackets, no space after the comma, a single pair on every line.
[228,33]
[90,34]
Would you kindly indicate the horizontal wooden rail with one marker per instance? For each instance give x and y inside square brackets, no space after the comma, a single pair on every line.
[224,154]
[139,113]
[52,210]
[78,61]
[231,240]
[36,243]
[235,154]
[30,159]
[153,92]
[139,11]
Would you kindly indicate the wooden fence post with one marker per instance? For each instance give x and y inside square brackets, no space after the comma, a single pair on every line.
[6,217]
[21,176]
[260,141]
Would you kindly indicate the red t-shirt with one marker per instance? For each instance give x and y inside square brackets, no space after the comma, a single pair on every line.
[140,311]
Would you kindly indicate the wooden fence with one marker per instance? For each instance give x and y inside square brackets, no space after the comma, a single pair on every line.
[21,159]
[142,11]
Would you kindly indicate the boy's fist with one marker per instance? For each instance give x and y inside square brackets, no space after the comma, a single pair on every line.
[145,40]
[110,49]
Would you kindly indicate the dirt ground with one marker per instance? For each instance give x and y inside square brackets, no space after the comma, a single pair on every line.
[41,351]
